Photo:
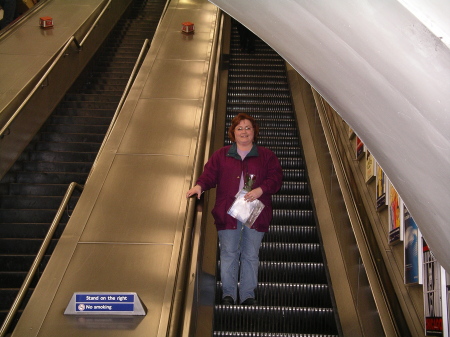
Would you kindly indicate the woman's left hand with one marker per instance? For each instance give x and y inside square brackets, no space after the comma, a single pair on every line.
[253,194]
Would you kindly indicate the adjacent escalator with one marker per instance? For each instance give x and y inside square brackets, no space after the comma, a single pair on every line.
[294,298]
[65,148]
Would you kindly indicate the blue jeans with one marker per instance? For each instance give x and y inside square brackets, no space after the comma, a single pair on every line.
[241,244]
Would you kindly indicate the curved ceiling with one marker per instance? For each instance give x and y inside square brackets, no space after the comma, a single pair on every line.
[384,66]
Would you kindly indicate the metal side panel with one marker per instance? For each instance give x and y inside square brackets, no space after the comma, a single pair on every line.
[136,203]
[126,232]
[112,268]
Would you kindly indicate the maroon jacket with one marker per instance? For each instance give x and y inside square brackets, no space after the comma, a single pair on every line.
[224,170]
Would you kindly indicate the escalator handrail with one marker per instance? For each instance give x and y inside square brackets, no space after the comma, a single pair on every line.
[181,320]
[80,45]
[5,128]
[38,259]
[126,91]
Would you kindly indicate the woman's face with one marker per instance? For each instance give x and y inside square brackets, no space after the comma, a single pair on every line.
[244,133]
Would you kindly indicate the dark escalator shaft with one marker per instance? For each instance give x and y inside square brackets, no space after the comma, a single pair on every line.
[64,150]
[293,292]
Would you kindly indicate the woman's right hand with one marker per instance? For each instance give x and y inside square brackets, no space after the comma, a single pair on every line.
[194,190]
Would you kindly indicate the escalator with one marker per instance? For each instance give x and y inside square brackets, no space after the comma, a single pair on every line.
[64,150]
[294,296]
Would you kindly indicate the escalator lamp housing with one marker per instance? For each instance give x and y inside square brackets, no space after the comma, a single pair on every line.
[46,22]
[187,27]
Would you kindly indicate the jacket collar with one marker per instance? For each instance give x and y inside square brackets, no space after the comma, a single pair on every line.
[232,152]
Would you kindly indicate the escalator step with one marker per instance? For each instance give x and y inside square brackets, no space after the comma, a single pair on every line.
[266,334]
[46,177]
[9,295]
[13,216]
[280,201]
[274,131]
[290,295]
[292,272]
[275,141]
[258,90]
[80,120]
[68,157]
[275,319]
[290,252]
[89,104]
[258,109]
[294,151]
[29,230]
[293,187]
[291,163]
[20,263]
[71,137]
[33,202]
[67,146]
[297,217]
[23,246]
[306,295]
[35,189]
[291,234]
[12,279]
[76,128]
[48,166]
[103,97]
[268,122]
[294,175]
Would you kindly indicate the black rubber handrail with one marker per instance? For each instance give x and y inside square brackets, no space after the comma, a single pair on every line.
[181,321]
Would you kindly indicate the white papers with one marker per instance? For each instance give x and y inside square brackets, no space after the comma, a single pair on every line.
[245,211]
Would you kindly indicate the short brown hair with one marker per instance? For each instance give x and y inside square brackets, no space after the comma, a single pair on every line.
[239,118]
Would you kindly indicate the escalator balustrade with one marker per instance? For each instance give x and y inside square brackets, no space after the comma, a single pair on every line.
[64,150]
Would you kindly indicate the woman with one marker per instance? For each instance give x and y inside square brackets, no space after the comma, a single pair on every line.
[226,169]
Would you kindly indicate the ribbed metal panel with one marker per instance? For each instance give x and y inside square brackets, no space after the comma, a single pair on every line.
[293,293]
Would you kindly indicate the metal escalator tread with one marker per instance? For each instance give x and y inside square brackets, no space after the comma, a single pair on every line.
[293,293]
[64,150]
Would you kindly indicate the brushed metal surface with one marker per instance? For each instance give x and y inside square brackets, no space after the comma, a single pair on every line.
[175,79]
[182,4]
[112,268]
[203,18]
[185,46]
[170,131]
[139,200]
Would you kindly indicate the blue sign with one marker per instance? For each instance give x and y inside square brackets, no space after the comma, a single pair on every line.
[105,303]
